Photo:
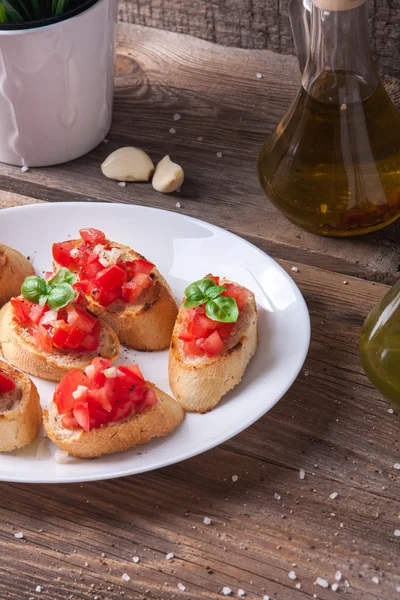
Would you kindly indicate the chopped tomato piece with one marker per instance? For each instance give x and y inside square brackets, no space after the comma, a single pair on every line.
[216,279]
[100,364]
[98,416]
[22,309]
[133,376]
[239,293]
[63,394]
[150,397]
[90,271]
[121,411]
[42,338]
[92,236]
[225,330]
[83,286]
[60,334]
[36,312]
[132,289]
[75,339]
[212,345]
[102,398]
[110,277]
[134,267]
[106,297]
[82,416]
[61,254]
[7,383]
[69,422]
[191,349]
[81,319]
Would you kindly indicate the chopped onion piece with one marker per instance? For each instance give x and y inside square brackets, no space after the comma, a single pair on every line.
[79,392]
[113,372]
[49,317]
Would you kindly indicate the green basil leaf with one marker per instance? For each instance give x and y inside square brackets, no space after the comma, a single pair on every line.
[42,300]
[223,309]
[215,291]
[60,296]
[33,288]
[200,287]
[64,275]
[195,300]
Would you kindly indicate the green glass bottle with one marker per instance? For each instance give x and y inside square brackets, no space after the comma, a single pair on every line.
[380,346]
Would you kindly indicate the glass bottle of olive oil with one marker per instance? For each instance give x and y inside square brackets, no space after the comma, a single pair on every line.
[380,346]
[333,164]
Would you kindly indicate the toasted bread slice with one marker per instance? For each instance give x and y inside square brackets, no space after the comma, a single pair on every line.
[19,348]
[199,383]
[14,267]
[148,323]
[156,421]
[20,412]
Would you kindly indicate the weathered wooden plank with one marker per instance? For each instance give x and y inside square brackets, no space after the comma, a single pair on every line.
[220,100]
[80,539]
[257,24]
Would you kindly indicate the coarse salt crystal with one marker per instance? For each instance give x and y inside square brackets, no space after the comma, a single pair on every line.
[302,473]
[295,269]
[181,587]
[241,593]
[177,116]
[322,582]
[338,575]
[396,533]
[24,169]
[398,588]
[345,282]
[200,138]
[136,559]
[226,591]
[235,478]
[292,575]
[396,466]
[19,535]
[105,141]
[126,577]
[178,205]
[277,497]
[172,130]
[265,597]
[298,586]
[375,580]
[390,411]
[38,589]
[169,556]
[219,154]
[334,495]
[122,183]
[334,587]
[259,76]
[207,521]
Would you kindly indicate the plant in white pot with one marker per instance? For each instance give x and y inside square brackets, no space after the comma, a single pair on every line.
[57,62]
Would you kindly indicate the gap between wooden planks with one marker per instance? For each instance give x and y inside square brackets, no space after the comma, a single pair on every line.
[80,539]
[219,99]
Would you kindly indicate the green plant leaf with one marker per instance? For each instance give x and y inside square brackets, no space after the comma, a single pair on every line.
[13,15]
[60,296]
[223,309]
[3,14]
[195,300]
[64,275]
[33,288]
[200,287]
[215,291]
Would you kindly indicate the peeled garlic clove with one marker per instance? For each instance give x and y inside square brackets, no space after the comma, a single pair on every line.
[128,164]
[168,176]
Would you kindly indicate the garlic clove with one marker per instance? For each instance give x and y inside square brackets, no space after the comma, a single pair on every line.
[128,164]
[168,176]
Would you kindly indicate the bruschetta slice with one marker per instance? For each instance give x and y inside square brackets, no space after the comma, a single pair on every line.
[48,330]
[14,267]
[108,409]
[214,338]
[20,410]
[121,287]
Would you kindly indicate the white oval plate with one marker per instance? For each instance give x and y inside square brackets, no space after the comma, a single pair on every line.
[184,249]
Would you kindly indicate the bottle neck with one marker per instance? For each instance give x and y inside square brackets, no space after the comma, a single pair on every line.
[340,65]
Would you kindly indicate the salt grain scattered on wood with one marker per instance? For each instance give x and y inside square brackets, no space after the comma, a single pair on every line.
[338,575]
[295,269]
[259,76]
[302,473]
[38,589]
[334,495]
[298,586]
[172,130]
[292,575]
[322,582]
[200,138]
[226,591]
[375,580]
[334,587]
[178,205]
[277,497]
[396,533]
[390,411]
[235,478]
[396,466]
[135,559]
[241,593]
[265,597]
[177,117]
[169,556]
[24,169]
[207,521]
[19,535]
[122,183]
[219,154]
[181,587]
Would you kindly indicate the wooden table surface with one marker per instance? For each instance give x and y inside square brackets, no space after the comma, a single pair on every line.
[80,539]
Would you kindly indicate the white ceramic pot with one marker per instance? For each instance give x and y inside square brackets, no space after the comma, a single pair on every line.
[56,87]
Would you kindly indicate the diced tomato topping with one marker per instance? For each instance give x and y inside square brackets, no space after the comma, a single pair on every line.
[124,280]
[36,312]
[7,383]
[102,395]
[22,309]
[235,291]
[92,236]
[212,345]
[61,254]
[42,338]
[80,318]
[60,333]
[204,336]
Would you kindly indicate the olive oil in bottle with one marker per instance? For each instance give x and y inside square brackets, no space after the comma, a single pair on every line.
[380,346]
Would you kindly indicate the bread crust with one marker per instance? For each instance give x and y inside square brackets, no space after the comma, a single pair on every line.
[14,267]
[156,421]
[199,385]
[20,425]
[18,347]
[146,325]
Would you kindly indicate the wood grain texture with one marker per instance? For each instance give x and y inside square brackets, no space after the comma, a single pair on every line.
[257,24]
[80,539]
[223,107]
